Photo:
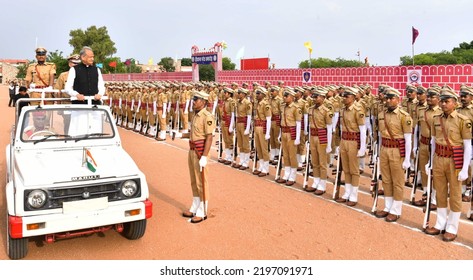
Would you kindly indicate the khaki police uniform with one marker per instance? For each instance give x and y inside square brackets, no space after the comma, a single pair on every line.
[262,124]
[351,119]
[243,111]
[393,125]
[291,115]
[319,118]
[449,131]
[202,125]
[276,103]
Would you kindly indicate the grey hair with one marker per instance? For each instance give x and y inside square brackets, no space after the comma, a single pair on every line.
[84,49]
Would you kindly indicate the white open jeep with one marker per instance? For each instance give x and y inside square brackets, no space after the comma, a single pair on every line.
[68,175]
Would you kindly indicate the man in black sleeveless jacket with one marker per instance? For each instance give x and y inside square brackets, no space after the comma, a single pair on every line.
[85,79]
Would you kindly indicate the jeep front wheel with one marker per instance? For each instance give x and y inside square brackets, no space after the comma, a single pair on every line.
[17,247]
[134,230]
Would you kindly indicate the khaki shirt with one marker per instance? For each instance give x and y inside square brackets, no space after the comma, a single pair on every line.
[244,108]
[352,118]
[40,74]
[466,111]
[291,114]
[203,124]
[263,110]
[320,117]
[457,128]
[276,105]
[229,107]
[409,106]
[424,118]
[393,125]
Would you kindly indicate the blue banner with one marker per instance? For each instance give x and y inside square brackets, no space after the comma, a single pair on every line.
[204,59]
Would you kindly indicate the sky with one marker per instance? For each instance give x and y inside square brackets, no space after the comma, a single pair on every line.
[144,29]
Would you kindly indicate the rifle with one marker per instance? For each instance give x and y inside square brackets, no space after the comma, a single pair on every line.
[255,159]
[416,171]
[338,177]
[220,144]
[235,148]
[375,180]
[429,191]
[308,163]
[278,167]
[178,118]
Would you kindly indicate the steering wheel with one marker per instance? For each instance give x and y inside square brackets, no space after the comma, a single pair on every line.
[41,132]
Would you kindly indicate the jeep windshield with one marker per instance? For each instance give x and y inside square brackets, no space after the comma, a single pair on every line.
[65,124]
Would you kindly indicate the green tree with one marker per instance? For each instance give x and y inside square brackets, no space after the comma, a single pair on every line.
[62,64]
[22,70]
[206,72]
[227,64]
[322,62]
[96,38]
[168,64]
[186,62]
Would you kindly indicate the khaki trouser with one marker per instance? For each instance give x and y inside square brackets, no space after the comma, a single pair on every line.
[445,178]
[183,119]
[392,172]
[318,158]
[350,163]
[226,136]
[289,150]
[198,190]
[261,144]
[242,139]
[161,120]
[274,135]
[301,147]
[423,160]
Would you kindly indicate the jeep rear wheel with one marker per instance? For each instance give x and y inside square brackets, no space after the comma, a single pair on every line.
[134,230]
[17,248]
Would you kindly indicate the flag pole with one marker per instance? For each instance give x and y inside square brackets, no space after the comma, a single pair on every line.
[412,54]
[310,60]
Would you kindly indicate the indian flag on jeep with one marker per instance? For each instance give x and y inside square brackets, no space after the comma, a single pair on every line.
[89,160]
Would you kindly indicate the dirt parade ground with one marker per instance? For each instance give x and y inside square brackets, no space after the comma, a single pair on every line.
[250,218]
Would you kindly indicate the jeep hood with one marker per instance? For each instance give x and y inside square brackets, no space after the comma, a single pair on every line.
[44,167]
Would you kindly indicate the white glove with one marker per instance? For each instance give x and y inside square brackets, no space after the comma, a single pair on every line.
[185,112]
[361,153]
[177,111]
[463,175]
[164,115]
[305,132]
[48,88]
[230,130]
[32,85]
[266,136]
[328,150]
[414,150]
[202,162]
[406,163]
[297,142]
[246,132]
[427,169]
[337,150]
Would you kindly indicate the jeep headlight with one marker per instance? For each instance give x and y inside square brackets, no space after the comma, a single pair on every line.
[37,198]
[129,188]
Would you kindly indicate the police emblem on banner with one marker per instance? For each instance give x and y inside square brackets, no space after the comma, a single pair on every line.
[414,76]
[306,76]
